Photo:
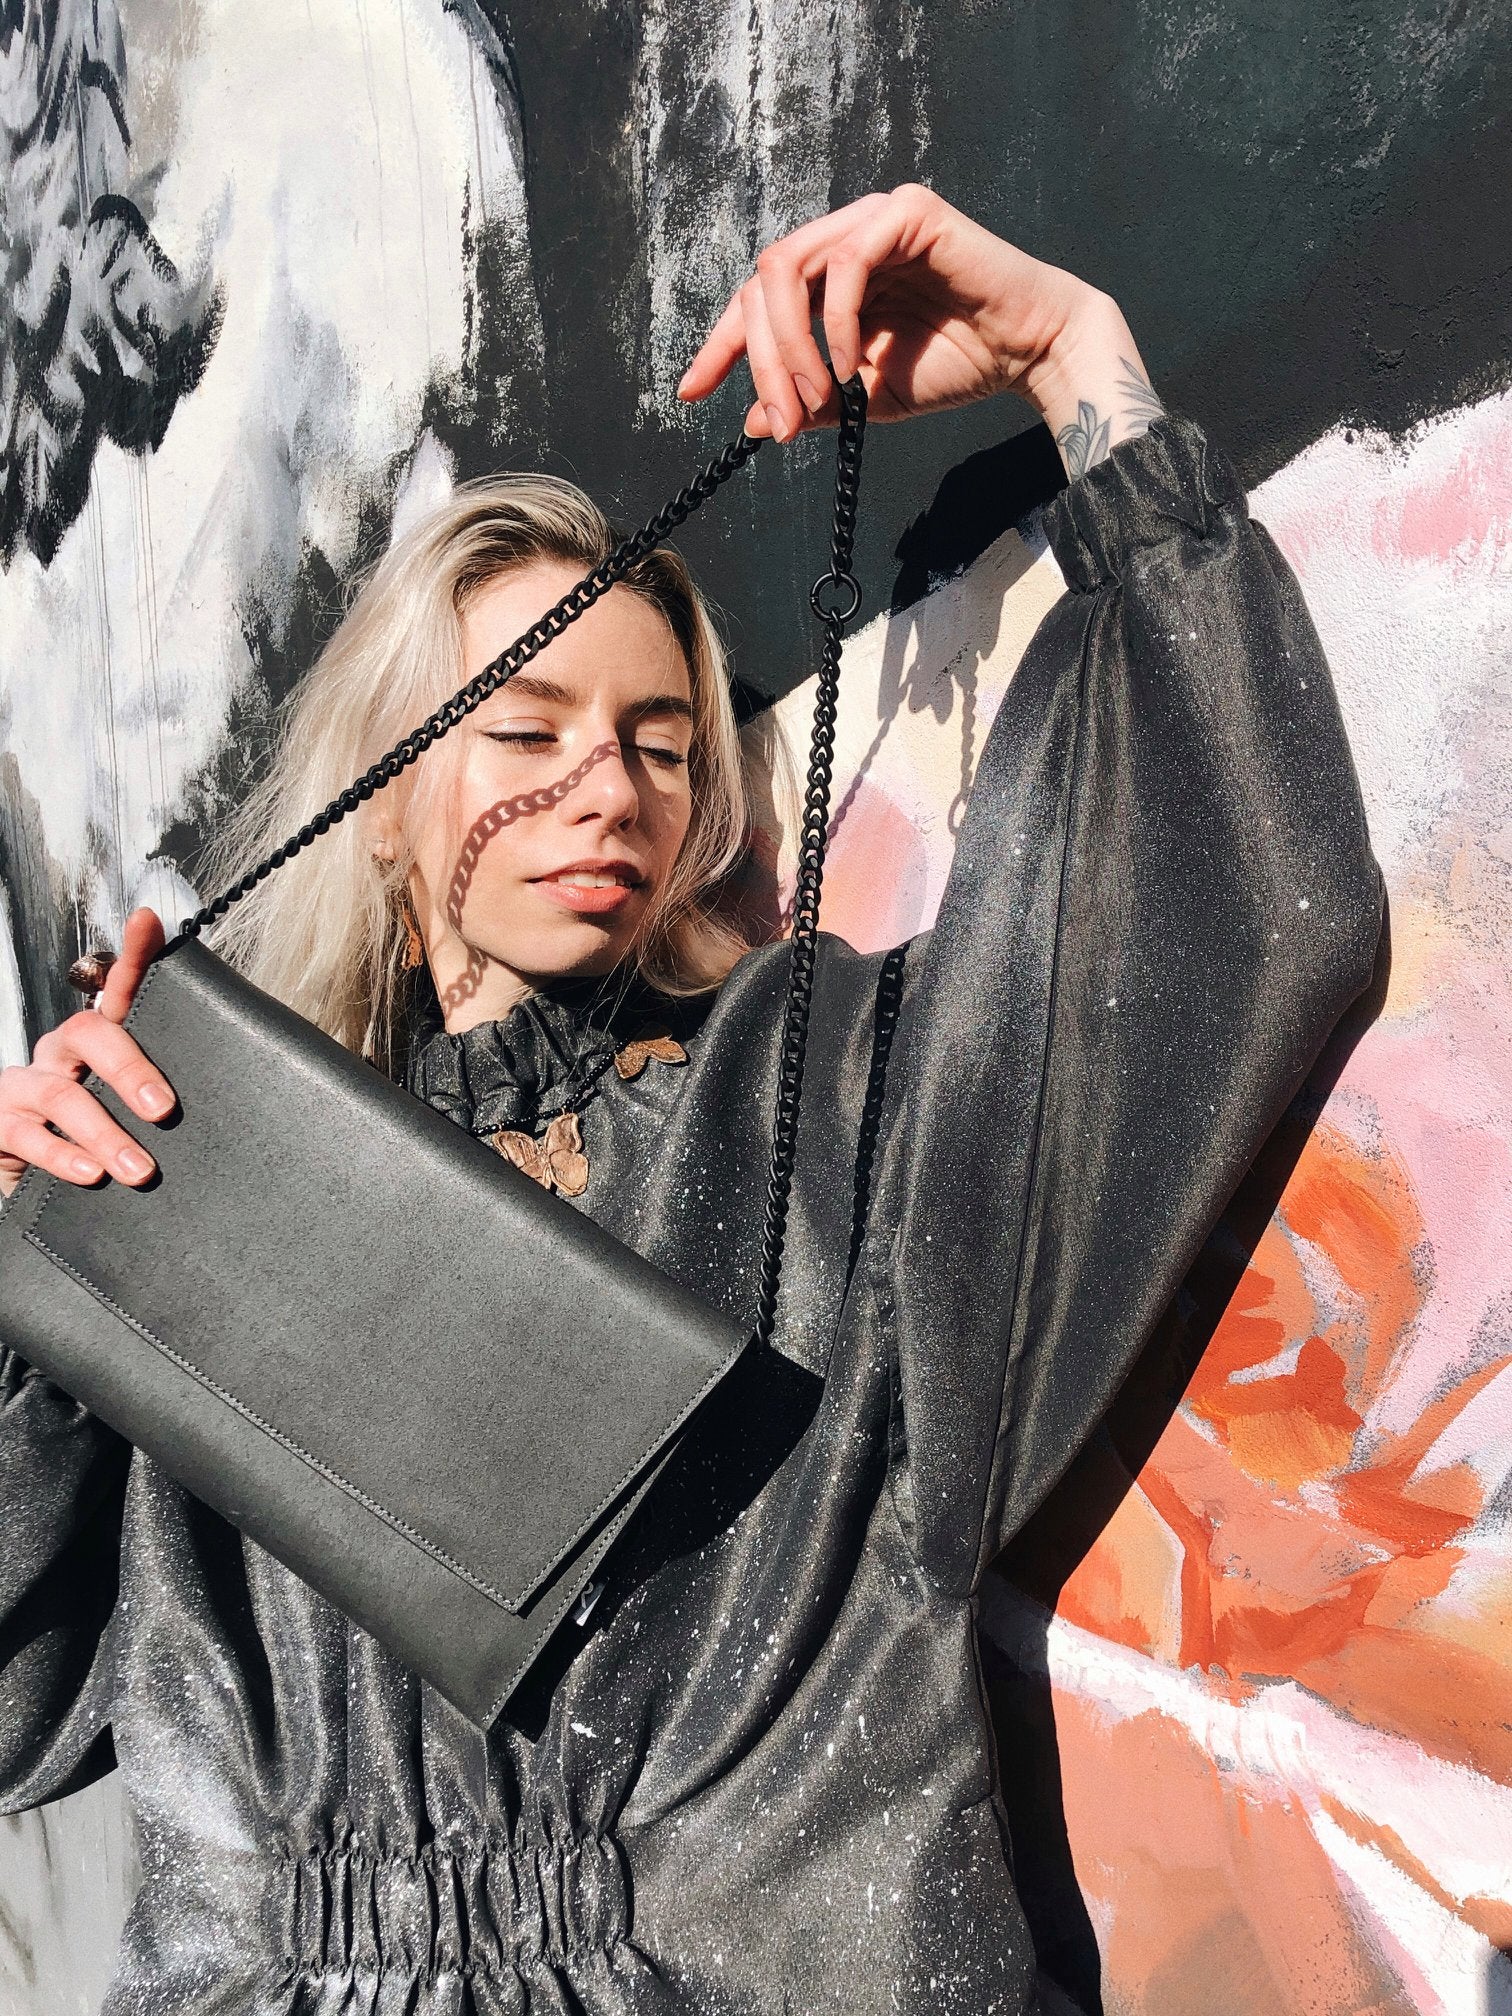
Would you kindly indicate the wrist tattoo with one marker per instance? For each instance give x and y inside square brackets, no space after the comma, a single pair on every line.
[1087,439]
[1083,440]
[1141,401]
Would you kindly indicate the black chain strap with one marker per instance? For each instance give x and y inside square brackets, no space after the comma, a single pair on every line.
[734,455]
[835,597]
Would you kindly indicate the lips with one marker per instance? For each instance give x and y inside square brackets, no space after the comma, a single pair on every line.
[591,888]
[590,873]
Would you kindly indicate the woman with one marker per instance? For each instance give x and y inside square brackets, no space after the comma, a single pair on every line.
[759,1777]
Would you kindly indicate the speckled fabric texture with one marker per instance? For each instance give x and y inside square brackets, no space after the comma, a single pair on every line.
[760,1781]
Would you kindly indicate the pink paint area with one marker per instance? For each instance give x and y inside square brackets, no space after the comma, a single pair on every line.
[876,875]
[1441,499]
[1442,1095]
[1456,511]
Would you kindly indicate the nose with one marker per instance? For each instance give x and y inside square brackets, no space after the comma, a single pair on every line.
[605,793]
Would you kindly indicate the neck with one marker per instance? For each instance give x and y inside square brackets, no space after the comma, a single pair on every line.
[474,989]
[483,990]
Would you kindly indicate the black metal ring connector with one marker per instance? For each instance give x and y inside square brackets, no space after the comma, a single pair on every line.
[841,612]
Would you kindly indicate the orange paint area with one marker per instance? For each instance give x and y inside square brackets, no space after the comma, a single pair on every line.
[1274,1532]
[1210,1894]
[1279,1532]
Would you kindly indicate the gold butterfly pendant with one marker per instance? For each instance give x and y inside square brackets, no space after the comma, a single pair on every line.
[556,1160]
[632,1060]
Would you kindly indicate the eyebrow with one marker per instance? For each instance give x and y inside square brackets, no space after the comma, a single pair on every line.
[536,686]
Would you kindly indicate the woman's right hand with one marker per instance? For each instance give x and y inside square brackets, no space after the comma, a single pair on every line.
[89,1144]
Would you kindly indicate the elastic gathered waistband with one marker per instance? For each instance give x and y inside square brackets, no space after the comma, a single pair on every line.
[483,1908]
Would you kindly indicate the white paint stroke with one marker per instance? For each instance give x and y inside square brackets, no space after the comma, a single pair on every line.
[1441,1961]
[754,152]
[333,219]
[14,1048]
[1404,550]
[1281,1741]
[425,485]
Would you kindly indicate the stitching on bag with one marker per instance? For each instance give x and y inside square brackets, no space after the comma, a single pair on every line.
[609,1497]
[553,1617]
[325,1470]
[334,1476]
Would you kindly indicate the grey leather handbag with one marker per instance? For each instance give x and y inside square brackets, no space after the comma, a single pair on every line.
[429,1386]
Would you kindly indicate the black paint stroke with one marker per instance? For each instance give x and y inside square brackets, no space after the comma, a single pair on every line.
[1299,205]
[100,335]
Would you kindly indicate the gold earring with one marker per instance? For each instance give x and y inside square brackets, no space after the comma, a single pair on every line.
[414,944]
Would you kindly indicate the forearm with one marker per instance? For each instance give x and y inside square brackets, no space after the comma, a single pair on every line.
[1091,387]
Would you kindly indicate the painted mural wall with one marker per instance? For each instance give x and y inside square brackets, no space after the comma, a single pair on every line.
[275,277]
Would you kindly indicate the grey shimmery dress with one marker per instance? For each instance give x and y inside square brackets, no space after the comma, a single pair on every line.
[760,1780]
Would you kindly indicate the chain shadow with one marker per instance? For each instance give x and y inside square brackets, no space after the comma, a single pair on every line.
[974,505]
[486,827]
[1034,1568]
[940,667]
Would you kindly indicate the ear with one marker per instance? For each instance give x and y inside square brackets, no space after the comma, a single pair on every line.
[384,831]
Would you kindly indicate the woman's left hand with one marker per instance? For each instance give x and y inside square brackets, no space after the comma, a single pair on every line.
[934,311]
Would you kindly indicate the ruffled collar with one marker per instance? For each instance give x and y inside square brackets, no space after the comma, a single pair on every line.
[546,1056]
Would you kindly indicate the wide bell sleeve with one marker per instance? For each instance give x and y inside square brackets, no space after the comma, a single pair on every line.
[1162,900]
[62,1490]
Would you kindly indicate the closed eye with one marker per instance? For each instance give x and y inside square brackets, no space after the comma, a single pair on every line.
[540,738]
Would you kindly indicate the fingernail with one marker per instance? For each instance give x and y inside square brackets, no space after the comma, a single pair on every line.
[812,399]
[777,424]
[135,1163]
[156,1098]
[87,1171]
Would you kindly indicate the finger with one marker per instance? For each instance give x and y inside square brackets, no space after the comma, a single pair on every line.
[105,1048]
[848,274]
[881,221]
[789,311]
[141,941]
[28,1141]
[722,350]
[725,343]
[80,1116]
[784,411]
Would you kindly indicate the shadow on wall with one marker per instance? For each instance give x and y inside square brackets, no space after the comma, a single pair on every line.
[1045,1554]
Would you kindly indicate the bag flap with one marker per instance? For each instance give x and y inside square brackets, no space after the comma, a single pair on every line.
[465,1355]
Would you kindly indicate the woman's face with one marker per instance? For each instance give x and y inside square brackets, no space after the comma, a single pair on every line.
[572,798]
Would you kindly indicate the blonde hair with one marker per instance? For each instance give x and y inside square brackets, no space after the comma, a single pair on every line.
[325,934]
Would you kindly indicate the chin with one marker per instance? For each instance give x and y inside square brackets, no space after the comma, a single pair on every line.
[576,955]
